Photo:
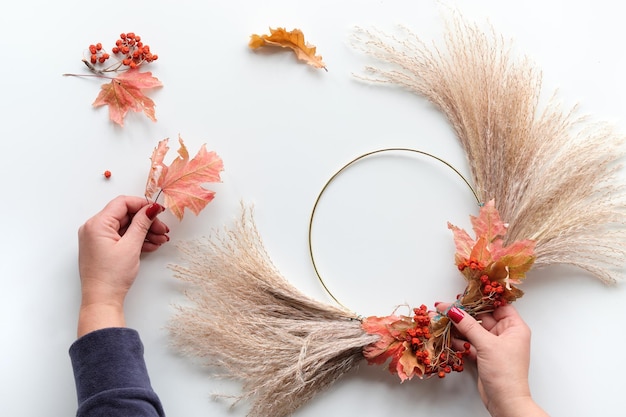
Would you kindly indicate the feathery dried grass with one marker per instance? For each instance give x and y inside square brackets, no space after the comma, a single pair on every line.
[247,320]
[553,175]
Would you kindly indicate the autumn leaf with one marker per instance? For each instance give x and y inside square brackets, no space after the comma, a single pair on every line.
[124,93]
[392,345]
[381,350]
[488,223]
[463,242]
[293,40]
[488,255]
[181,181]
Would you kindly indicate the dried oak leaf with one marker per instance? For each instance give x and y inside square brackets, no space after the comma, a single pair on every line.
[181,181]
[124,93]
[294,40]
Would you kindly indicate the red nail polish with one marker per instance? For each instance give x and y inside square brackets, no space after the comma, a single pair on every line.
[153,210]
[456,314]
[437,303]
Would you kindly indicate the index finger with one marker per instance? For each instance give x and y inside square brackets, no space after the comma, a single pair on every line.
[123,205]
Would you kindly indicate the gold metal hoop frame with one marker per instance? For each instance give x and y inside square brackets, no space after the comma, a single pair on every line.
[346,166]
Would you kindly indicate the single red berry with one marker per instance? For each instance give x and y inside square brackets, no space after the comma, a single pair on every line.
[107,174]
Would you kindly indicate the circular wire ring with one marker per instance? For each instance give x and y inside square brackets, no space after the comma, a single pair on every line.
[343,168]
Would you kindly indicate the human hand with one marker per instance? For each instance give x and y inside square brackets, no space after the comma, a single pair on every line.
[500,345]
[110,244]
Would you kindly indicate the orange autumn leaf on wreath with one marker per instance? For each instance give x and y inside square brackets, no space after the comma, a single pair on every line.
[485,261]
[181,181]
[294,40]
[125,92]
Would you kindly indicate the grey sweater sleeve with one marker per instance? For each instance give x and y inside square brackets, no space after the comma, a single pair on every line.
[111,376]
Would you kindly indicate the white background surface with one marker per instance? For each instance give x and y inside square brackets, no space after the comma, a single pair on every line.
[282,128]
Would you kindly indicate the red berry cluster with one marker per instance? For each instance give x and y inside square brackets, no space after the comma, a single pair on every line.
[450,360]
[98,54]
[472,264]
[133,49]
[418,336]
[492,290]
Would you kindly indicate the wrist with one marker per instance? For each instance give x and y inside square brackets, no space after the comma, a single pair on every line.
[523,406]
[96,316]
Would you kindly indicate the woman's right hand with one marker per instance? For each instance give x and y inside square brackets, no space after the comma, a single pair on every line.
[500,345]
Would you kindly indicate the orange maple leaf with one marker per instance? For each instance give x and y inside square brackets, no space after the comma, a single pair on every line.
[487,254]
[294,40]
[181,181]
[124,93]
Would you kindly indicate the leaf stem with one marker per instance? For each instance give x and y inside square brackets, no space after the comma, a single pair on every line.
[158,194]
[88,75]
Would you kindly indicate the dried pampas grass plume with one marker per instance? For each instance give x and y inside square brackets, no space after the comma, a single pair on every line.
[247,320]
[553,175]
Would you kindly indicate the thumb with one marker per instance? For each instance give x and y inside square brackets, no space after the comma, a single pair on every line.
[469,327]
[141,222]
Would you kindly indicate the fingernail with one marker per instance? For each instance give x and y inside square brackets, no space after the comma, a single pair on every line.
[154,210]
[167,238]
[456,314]
[437,303]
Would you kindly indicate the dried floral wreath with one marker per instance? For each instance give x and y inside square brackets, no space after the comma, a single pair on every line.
[552,176]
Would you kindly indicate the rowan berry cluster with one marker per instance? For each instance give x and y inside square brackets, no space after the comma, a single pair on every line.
[131,49]
[449,361]
[472,264]
[493,291]
[98,54]
[418,337]
[419,334]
